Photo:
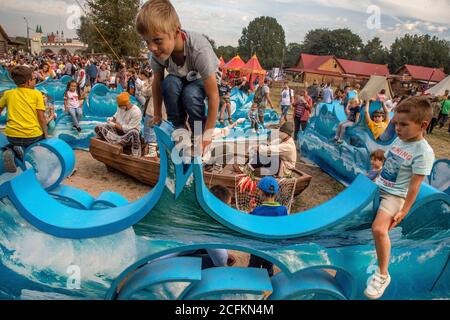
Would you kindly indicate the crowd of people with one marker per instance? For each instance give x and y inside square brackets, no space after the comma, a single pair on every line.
[182,74]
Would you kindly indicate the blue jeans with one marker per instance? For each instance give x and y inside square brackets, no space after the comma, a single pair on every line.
[149,132]
[285,110]
[184,99]
[76,114]
[24,142]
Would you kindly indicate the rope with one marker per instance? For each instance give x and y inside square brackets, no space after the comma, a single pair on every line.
[98,30]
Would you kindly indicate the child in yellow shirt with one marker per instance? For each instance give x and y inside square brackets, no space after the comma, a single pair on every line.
[380,120]
[26,123]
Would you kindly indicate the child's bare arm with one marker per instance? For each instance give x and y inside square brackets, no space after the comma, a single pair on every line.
[347,109]
[212,92]
[386,112]
[413,191]
[367,113]
[42,122]
[157,97]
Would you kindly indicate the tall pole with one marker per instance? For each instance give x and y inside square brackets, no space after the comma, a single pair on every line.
[28,35]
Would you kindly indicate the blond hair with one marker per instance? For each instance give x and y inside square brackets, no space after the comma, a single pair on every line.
[157,16]
[354,101]
[418,109]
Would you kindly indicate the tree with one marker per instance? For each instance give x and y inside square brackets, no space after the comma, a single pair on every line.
[115,20]
[292,54]
[265,37]
[422,50]
[342,43]
[212,42]
[375,52]
[227,52]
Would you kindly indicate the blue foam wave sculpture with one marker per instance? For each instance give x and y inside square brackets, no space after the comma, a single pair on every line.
[344,162]
[46,245]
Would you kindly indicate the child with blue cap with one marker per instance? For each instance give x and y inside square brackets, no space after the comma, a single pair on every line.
[268,189]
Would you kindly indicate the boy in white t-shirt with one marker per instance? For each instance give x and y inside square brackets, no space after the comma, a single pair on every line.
[407,163]
[287,99]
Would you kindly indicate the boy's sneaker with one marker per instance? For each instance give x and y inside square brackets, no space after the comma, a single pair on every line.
[8,161]
[339,141]
[78,129]
[377,285]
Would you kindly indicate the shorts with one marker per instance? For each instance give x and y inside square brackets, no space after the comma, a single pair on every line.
[284,110]
[261,110]
[225,100]
[390,203]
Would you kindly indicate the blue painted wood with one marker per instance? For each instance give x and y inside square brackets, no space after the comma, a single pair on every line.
[82,198]
[306,282]
[179,269]
[110,199]
[229,280]
[348,203]
[52,217]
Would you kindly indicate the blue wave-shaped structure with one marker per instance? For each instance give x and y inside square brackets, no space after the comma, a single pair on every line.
[344,162]
[120,248]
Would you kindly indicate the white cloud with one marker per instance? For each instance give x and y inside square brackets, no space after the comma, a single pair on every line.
[44,7]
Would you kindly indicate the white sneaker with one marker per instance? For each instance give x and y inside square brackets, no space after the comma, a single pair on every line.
[377,285]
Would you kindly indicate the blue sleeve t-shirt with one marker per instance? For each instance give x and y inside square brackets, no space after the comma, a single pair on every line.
[270,209]
[403,160]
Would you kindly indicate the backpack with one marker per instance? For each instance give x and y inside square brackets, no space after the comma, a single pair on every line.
[258,95]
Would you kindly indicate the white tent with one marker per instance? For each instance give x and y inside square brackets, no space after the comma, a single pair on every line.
[374,86]
[439,89]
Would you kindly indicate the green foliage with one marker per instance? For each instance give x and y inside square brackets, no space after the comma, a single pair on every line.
[342,43]
[212,42]
[375,52]
[422,50]
[227,52]
[115,20]
[265,37]
[292,54]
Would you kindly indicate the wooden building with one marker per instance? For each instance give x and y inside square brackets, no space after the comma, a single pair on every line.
[329,69]
[410,78]
[5,42]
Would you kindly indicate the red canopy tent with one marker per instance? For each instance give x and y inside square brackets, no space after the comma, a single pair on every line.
[233,67]
[254,71]
[234,64]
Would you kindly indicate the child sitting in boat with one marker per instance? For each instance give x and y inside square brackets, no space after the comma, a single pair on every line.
[352,110]
[73,103]
[376,162]
[268,189]
[379,121]
[279,158]
[124,127]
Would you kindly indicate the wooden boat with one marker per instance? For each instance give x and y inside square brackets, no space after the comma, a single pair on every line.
[147,171]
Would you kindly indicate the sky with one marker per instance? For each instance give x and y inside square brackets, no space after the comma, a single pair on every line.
[224,20]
